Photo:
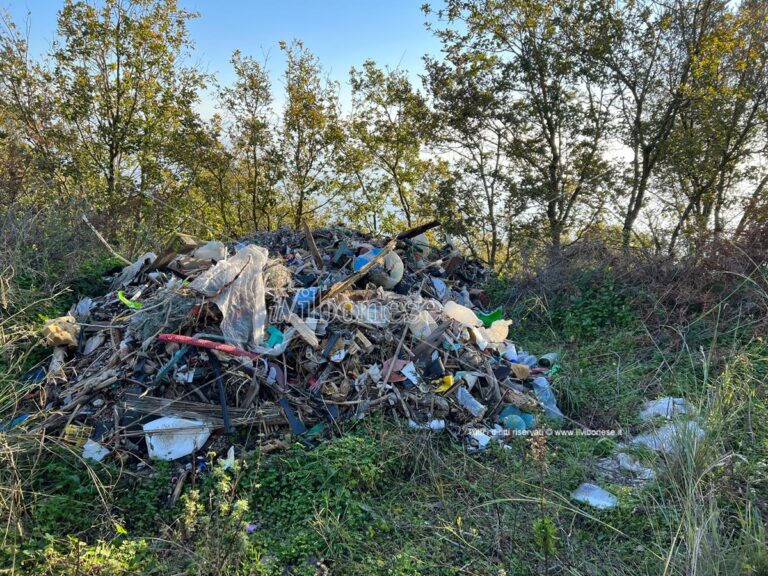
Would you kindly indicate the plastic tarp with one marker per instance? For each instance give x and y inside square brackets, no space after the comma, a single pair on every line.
[236,286]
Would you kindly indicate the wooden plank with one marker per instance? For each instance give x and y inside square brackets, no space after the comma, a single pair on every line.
[316,256]
[179,244]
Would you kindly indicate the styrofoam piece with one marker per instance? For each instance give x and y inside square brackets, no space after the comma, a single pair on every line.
[461,314]
[94,451]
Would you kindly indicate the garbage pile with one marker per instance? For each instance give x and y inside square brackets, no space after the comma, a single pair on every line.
[287,332]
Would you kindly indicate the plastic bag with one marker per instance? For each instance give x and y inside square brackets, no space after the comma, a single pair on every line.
[237,287]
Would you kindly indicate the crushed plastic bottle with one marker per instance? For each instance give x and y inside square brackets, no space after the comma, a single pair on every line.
[546,397]
[511,353]
[468,401]
[528,359]
[595,496]
[422,324]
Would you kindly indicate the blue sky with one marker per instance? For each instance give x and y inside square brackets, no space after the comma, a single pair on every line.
[343,33]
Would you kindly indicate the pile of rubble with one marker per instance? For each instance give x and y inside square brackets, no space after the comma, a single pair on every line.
[209,345]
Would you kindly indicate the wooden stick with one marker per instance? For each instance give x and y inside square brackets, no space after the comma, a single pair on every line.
[413,232]
[352,278]
[104,241]
[312,246]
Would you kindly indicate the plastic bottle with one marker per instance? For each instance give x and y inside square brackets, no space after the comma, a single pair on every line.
[422,324]
[468,401]
[547,398]
[548,360]
[511,353]
[528,359]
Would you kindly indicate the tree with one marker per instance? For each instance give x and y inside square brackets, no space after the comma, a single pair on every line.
[311,135]
[33,139]
[718,135]
[256,161]
[646,48]
[122,95]
[389,124]
[480,204]
[551,113]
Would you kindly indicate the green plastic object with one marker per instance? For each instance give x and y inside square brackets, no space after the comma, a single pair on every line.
[491,317]
[316,430]
[275,337]
[130,303]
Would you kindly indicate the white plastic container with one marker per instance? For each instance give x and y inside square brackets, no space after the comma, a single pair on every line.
[169,438]
[461,314]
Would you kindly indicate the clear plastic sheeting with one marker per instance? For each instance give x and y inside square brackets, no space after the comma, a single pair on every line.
[236,286]
[546,398]
[130,272]
[666,407]
[670,437]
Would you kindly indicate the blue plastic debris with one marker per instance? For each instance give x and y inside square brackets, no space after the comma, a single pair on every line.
[275,337]
[547,398]
[297,426]
[37,374]
[511,417]
[15,422]
[304,299]
[362,260]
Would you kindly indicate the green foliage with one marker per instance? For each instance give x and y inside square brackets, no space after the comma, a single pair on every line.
[140,502]
[73,557]
[595,304]
[316,502]
[214,521]
[510,145]
[66,501]
[545,536]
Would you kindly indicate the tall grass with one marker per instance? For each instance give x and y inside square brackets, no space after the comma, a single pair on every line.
[705,493]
